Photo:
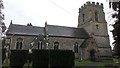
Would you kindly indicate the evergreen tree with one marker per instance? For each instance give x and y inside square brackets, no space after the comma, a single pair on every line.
[116,30]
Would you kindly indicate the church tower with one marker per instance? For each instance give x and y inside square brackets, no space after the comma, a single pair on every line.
[92,19]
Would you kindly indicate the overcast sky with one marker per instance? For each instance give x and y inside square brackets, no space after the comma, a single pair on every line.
[55,12]
[37,12]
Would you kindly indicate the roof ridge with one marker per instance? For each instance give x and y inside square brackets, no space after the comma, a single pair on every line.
[62,26]
[27,26]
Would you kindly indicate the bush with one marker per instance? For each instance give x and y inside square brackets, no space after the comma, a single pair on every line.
[18,58]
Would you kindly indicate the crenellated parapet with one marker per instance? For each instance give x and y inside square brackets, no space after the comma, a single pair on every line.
[91,11]
[96,4]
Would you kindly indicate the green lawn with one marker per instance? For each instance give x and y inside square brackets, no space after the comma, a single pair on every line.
[6,63]
[101,63]
[82,63]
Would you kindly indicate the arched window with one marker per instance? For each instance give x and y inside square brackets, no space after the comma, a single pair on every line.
[76,47]
[96,16]
[83,16]
[40,46]
[19,43]
[56,45]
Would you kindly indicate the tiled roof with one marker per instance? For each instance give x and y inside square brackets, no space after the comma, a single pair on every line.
[24,30]
[84,44]
[52,30]
[63,31]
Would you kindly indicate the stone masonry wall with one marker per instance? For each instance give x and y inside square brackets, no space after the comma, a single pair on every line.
[26,41]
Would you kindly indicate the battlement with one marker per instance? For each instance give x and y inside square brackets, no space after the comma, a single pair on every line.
[91,4]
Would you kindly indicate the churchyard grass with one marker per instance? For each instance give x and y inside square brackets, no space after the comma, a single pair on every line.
[78,62]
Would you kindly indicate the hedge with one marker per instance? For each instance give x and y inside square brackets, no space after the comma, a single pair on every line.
[18,58]
[43,58]
[40,58]
[53,58]
[61,58]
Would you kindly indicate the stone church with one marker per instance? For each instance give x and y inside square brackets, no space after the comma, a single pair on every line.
[90,37]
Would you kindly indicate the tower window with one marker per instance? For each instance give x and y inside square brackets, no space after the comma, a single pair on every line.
[83,16]
[96,16]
